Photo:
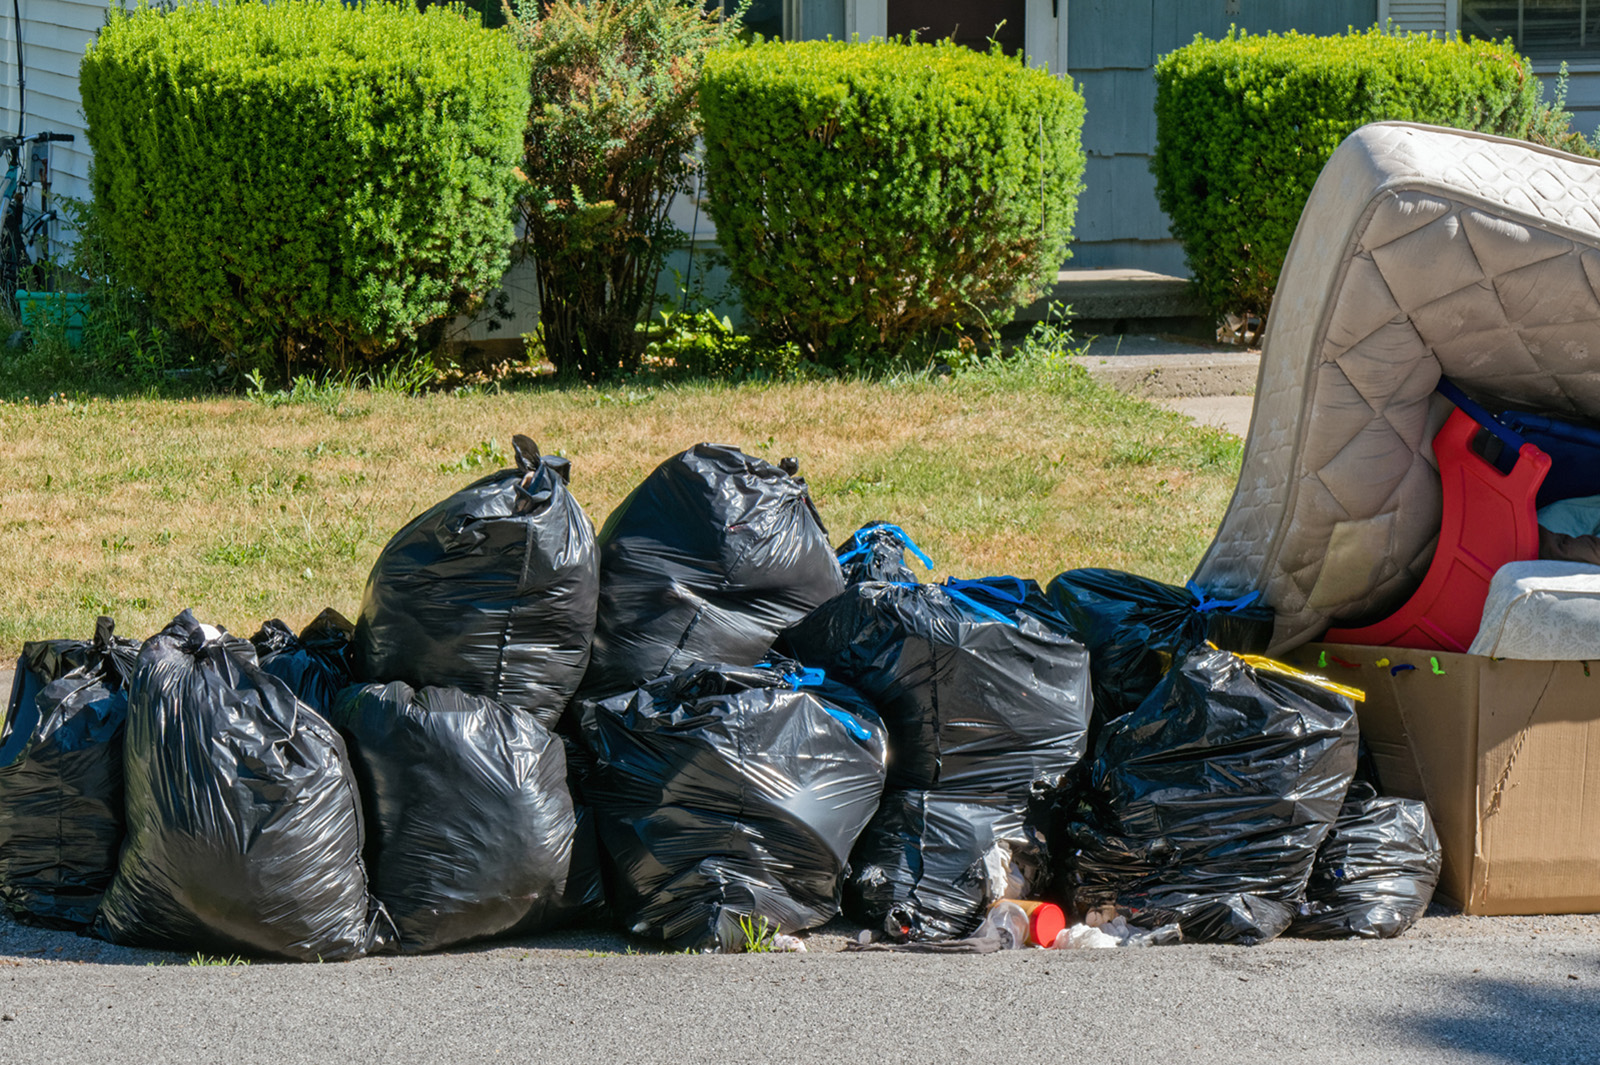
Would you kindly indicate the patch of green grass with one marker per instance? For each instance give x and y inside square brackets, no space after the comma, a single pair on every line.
[252,508]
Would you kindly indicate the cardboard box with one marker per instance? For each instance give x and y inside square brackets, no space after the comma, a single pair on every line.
[1507,756]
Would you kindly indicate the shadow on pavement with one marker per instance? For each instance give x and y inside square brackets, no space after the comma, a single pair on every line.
[1515,1022]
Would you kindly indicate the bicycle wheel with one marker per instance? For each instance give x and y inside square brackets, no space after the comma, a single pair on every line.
[12,255]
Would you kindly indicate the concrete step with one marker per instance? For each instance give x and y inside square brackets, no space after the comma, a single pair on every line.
[1125,301]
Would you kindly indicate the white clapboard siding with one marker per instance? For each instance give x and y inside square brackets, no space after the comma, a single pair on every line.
[1428,16]
[55,34]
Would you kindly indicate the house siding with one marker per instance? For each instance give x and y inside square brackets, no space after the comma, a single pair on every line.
[55,34]
[1112,48]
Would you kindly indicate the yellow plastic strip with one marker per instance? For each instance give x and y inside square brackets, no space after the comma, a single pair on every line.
[1272,665]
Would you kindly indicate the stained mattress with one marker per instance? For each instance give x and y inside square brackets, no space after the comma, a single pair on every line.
[1421,251]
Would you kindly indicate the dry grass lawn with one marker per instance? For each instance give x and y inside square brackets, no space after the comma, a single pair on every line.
[245,509]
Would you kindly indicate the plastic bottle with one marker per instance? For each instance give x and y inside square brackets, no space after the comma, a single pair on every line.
[1023,923]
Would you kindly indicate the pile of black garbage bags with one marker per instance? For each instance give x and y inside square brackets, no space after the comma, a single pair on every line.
[704,723]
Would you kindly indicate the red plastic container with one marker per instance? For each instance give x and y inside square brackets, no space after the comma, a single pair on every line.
[1045,922]
[1489,519]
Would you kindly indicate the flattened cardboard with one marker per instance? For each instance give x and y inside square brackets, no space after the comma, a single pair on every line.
[1507,756]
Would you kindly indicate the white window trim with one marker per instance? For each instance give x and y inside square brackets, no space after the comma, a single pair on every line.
[1044,31]
[1452,18]
[866,19]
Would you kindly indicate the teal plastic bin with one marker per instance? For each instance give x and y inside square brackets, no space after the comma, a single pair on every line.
[51,310]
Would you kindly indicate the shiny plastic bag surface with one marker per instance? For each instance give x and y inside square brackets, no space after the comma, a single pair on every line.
[1376,871]
[315,664]
[491,591]
[470,824]
[61,791]
[1136,627]
[730,793]
[1207,805]
[707,560]
[244,822]
[981,685]
[877,552]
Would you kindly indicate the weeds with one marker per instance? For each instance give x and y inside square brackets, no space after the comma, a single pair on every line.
[224,960]
[758,934]
[484,453]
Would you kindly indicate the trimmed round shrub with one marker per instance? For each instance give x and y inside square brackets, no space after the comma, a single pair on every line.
[1245,124]
[306,183]
[866,194]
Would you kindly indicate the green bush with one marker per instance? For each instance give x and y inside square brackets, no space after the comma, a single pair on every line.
[609,142]
[1245,124]
[865,194]
[307,183]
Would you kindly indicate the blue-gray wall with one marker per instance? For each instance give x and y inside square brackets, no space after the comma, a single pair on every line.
[1112,46]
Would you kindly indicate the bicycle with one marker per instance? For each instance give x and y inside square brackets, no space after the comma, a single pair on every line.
[24,232]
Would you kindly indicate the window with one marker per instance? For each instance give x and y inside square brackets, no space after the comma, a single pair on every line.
[1553,29]
[970,24]
[764,17]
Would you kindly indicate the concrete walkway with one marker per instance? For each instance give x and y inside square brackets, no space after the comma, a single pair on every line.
[1213,385]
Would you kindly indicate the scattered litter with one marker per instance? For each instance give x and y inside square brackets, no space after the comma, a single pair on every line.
[1018,923]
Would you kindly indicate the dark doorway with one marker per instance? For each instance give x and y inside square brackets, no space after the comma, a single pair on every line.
[970,22]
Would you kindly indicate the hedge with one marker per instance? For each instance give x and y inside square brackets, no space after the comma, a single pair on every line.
[1245,124]
[865,194]
[301,180]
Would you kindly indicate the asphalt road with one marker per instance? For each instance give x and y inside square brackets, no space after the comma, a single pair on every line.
[1455,989]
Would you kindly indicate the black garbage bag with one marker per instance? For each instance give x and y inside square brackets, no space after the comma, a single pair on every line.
[706,561]
[491,591]
[981,685]
[931,862]
[1207,805]
[315,664]
[1136,627]
[730,792]
[470,823]
[877,552]
[61,776]
[244,823]
[1376,871]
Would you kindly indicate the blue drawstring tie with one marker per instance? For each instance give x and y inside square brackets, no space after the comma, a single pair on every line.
[864,534]
[1204,603]
[952,589]
[811,678]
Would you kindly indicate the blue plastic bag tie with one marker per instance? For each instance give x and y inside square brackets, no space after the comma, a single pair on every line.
[1204,603]
[851,725]
[864,533]
[804,678]
[991,586]
[973,604]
